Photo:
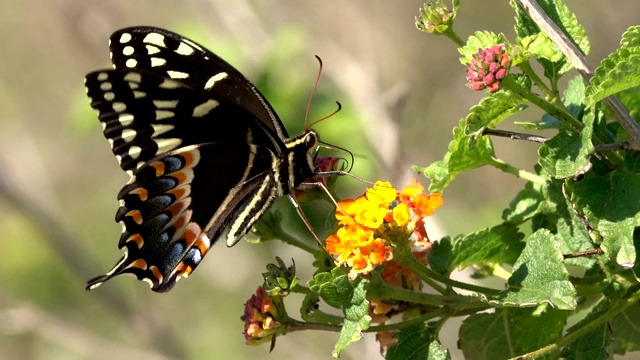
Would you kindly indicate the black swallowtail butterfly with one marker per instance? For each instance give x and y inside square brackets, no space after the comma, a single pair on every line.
[206,153]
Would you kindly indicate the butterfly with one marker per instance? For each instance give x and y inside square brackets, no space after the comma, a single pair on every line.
[205,151]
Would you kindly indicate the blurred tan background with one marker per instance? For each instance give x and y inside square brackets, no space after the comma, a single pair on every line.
[402,91]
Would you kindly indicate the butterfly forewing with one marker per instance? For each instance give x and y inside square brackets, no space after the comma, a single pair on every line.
[144,115]
[206,153]
[174,56]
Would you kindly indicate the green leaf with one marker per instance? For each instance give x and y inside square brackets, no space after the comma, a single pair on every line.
[540,46]
[539,276]
[610,205]
[532,329]
[465,153]
[617,72]
[500,244]
[484,337]
[439,257]
[479,41]
[356,312]
[572,238]
[524,205]
[491,110]
[323,285]
[625,328]
[338,291]
[553,208]
[573,97]
[631,37]
[547,122]
[568,154]
[630,99]
[416,342]
[566,21]
[594,344]
[510,332]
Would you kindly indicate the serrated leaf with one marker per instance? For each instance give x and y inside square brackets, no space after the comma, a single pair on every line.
[356,312]
[594,344]
[547,122]
[540,46]
[625,328]
[539,276]
[568,154]
[573,96]
[500,244]
[491,110]
[631,37]
[415,342]
[524,205]
[439,257]
[465,153]
[566,21]
[630,99]
[617,72]
[632,162]
[610,205]
[484,337]
[509,332]
[555,205]
[324,285]
[532,329]
[479,41]
[573,238]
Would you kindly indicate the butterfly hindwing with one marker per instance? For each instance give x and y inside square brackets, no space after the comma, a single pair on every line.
[171,212]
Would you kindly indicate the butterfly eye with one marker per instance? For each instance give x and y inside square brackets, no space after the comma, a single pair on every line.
[310,140]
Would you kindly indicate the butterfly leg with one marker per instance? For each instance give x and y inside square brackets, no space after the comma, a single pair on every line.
[296,205]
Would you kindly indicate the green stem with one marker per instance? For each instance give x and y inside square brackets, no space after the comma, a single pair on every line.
[526,68]
[559,113]
[407,259]
[592,325]
[510,169]
[501,272]
[295,325]
[453,36]
[385,291]
[299,289]
[291,240]
[416,320]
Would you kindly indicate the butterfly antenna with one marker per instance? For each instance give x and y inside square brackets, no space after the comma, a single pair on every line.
[328,116]
[313,92]
[339,149]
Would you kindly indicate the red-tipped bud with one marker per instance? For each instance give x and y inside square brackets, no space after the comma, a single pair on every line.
[488,67]
[435,18]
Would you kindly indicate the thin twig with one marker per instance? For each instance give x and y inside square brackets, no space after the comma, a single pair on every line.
[514,135]
[583,253]
[579,61]
[611,147]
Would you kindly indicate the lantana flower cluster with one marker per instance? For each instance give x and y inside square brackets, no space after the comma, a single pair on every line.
[488,67]
[373,224]
[260,314]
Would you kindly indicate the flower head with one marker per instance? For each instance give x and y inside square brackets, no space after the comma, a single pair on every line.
[373,224]
[261,314]
[488,67]
[436,18]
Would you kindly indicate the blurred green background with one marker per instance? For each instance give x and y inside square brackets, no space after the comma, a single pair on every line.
[402,92]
